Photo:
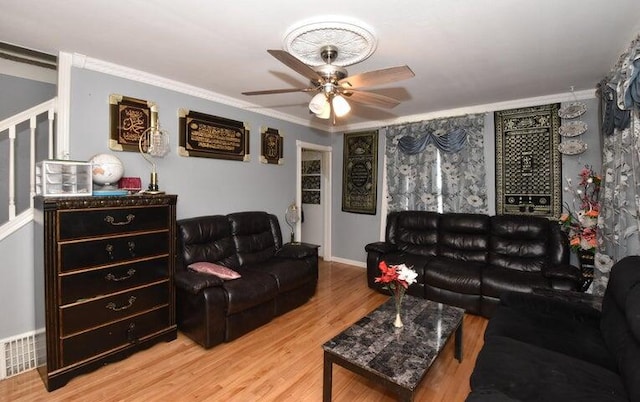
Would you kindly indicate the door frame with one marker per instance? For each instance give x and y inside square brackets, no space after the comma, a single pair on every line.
[326,191]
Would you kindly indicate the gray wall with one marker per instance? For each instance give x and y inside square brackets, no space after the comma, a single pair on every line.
[210,186]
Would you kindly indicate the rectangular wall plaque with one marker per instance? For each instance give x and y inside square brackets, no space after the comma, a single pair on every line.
[528,163]
[209,136]
[129,118]
[359,172]
[271,146]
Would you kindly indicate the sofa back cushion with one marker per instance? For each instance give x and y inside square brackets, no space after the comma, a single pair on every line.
[464,237]
[520,242]
[620,321]
[414,232]
[206,238]
[256,236]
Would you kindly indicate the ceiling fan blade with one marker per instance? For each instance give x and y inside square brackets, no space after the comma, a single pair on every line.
[377,77]
[296,65]
[371,98]
[279,91]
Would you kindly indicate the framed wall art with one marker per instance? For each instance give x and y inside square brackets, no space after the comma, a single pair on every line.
[528,163]
[129,118]
[271,146]
[359,172]
[208,136]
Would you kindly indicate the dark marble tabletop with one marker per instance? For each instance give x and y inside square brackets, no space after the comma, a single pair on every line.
[401,355]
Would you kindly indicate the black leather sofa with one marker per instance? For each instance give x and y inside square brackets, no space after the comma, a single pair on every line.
[275,278]
[542,348]
[469,260]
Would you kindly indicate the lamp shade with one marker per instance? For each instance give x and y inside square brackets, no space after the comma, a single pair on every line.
[318,103]
[340,105]
[326,112]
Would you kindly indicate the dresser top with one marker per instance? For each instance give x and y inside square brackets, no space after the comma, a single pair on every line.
[106,201]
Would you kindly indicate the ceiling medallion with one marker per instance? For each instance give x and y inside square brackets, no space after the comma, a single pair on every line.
[354,41]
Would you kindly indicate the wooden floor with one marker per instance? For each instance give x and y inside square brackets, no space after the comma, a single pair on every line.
[281,361]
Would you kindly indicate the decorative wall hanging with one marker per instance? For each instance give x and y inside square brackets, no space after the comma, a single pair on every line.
[359,172]
[129,118]
[209,136]
[311,181]
[271,146]
[528,164]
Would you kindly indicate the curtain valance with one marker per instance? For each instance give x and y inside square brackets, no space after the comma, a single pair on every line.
[451,142]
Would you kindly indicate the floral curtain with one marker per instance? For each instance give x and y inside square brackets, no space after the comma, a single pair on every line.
[619,220]
[437,165]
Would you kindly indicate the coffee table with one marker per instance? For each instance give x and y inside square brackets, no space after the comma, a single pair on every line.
[398,358]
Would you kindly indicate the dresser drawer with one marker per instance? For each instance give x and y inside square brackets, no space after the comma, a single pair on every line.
[90,284]
[75,224]
[103,310]
[113,250]
[88,344]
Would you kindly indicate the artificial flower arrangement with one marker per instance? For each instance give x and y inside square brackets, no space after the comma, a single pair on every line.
[396,279]
[581,223]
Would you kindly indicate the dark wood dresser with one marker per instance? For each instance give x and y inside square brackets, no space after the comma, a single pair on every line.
[104,279]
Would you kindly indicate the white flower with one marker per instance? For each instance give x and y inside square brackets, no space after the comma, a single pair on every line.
[406,274]
[404,169]
[474,200]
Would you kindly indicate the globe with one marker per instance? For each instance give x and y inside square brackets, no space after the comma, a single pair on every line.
[107,169]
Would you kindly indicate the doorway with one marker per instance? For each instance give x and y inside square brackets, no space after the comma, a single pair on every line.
[315,198]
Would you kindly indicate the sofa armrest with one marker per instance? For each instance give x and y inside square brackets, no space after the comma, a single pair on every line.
[380,247]
[563,271]
[551,303]
[297,251]
[194,282]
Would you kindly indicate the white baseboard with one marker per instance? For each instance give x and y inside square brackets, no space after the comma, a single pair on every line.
[349,262]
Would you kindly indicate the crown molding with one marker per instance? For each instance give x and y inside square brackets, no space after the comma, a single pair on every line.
[485,108]
[88,63]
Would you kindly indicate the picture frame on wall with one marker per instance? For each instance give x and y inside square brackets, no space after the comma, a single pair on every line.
[360,172]
[206,136]
[129,118]
[271,146]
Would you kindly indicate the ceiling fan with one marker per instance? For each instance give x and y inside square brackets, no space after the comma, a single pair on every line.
[334,86]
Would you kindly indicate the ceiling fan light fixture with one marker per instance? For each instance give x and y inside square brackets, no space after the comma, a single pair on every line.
[340,105]
[318,103]
[326,111]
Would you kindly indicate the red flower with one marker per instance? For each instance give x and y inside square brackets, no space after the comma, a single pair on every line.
[389,273]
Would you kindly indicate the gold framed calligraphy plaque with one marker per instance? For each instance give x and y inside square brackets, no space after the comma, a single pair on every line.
[208,136]
[359,172]
[271,147]
[130,117]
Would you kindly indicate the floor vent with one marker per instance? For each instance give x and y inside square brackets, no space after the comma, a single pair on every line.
[21,353]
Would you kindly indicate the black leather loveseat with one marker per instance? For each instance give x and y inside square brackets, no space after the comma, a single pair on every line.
[469,260]
[557,348]
[275,278]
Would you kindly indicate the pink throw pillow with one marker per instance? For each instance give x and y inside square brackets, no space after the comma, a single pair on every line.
[214,269]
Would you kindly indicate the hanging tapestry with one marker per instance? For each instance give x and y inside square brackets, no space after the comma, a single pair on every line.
[359,172]
[528,164]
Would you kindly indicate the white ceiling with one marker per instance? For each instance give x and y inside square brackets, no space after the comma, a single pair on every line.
[463,52]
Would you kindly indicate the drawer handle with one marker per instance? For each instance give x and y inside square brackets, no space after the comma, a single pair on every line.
[132,248]
[110,219]
[112,277]
[112,306]
[109,250]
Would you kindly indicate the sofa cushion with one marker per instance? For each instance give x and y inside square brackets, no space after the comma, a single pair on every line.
[519,242]
[288,274]
[464,237]
[206,238]
[253,235]
[252,289]
[417,232]
[527,372]
[459,276]
[209,268]
[578,336]
[497,280]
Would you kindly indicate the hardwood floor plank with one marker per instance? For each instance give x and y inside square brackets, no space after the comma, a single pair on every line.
[280,361]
